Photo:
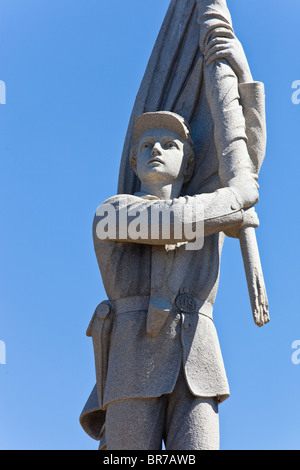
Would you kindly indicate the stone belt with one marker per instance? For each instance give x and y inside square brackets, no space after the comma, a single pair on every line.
[184,303]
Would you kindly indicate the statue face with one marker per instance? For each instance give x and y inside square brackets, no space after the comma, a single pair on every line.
[160,157]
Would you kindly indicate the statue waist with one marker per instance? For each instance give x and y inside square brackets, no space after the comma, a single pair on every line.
[184,303]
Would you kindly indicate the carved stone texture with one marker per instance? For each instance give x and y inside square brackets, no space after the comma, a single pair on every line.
[193,151]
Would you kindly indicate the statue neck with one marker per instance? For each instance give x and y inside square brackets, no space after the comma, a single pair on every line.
[162,191]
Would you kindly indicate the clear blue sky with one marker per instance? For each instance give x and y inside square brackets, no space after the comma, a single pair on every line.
[72,70]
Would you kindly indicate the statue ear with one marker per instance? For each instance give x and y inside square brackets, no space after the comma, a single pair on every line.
[189,170]
[132,158]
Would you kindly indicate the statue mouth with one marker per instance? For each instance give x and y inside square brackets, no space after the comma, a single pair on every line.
[155,160]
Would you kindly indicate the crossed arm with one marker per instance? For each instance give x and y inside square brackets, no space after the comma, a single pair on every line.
[134,219]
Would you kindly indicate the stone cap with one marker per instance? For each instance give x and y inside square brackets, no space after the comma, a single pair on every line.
[160,120]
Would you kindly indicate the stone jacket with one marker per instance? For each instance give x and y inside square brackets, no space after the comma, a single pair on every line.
[147,365]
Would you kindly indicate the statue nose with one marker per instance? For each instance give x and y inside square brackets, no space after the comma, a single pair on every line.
[156,149]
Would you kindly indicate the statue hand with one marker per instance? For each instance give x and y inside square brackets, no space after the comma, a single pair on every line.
[226,46]
[250,219]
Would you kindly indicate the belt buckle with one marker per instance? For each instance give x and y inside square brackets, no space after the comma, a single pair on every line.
[186,303]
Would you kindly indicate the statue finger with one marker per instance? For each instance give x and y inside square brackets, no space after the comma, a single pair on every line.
[216,48]
[217,56]
[215,42]
[222,32]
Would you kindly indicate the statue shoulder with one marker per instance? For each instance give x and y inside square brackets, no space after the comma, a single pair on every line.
[118,201]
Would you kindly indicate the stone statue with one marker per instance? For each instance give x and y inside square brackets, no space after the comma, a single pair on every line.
[195,144]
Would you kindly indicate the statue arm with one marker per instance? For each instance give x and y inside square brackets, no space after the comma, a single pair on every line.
[223,54]
[133,219]
[240,147]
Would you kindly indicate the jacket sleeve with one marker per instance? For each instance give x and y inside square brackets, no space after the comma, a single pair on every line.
[133,219]
[252,100]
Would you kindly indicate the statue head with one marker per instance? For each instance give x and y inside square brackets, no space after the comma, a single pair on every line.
[162,149]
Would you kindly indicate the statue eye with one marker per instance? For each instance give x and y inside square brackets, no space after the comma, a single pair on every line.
[146,145]
[171,145]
